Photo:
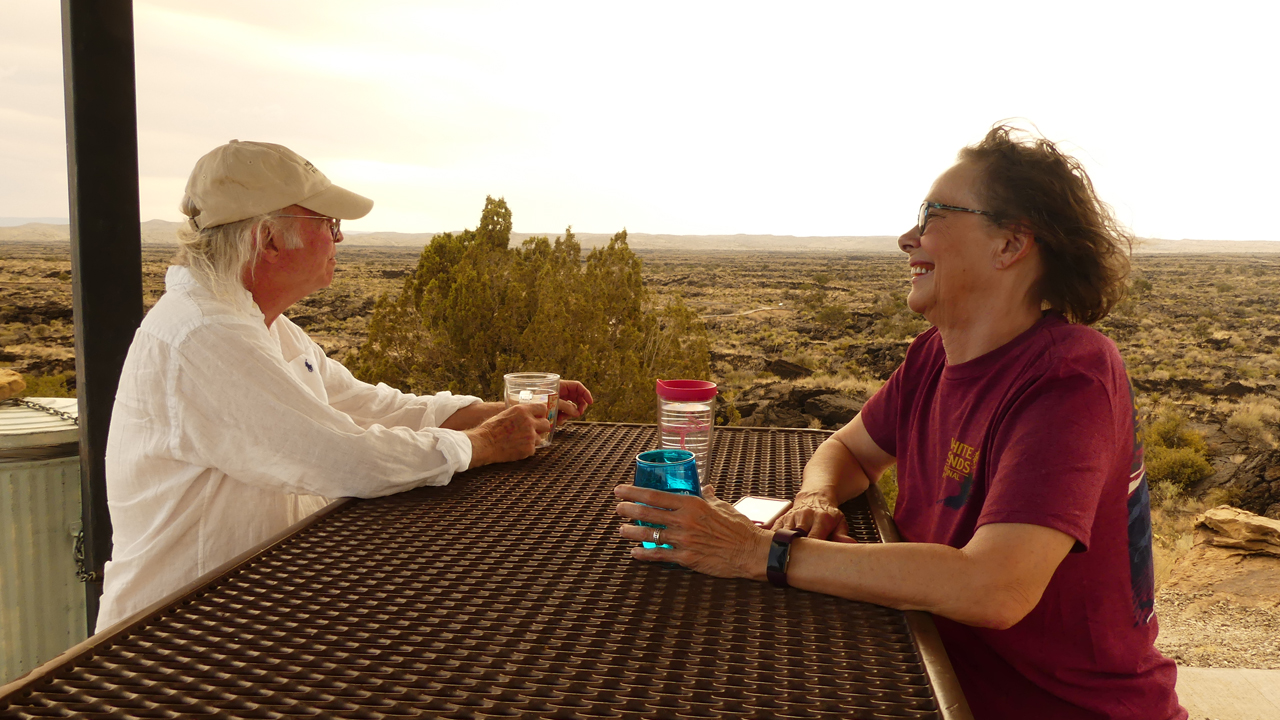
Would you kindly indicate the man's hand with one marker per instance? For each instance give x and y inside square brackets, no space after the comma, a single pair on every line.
[575,398]
[510,435]
[818,514]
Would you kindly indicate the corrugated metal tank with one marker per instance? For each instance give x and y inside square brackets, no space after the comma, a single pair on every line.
[42,604]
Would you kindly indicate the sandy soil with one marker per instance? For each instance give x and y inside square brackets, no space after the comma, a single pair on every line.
[1221,608]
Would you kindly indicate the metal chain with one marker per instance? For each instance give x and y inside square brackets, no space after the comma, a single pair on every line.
[83,574]
[45,408]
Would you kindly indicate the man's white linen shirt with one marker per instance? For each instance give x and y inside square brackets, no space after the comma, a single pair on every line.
[224,433]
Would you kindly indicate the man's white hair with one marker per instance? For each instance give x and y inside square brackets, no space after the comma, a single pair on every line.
[219,256]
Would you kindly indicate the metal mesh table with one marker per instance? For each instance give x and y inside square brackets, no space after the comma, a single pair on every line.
[507,594]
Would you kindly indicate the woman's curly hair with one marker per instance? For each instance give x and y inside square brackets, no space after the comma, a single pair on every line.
[1028,180]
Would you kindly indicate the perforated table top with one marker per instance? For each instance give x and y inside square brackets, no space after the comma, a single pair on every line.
[506,593]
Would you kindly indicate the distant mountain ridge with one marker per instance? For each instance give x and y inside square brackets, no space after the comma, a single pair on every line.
[164,232]
[10,222]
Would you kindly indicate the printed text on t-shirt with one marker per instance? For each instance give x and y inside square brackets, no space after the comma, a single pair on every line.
[961,460]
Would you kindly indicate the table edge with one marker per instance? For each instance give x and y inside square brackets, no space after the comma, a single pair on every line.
[86,647]
[937,664]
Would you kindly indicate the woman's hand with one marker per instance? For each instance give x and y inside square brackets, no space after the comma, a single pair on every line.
[818,514]
[575,398]
[707,535]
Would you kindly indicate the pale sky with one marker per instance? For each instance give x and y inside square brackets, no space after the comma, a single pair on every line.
[678,117]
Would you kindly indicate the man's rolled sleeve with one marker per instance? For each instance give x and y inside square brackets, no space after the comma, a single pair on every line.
[444,404]
[455,446]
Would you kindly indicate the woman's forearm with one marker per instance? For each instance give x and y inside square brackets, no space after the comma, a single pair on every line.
[833,474]
[905,576]
[994,581]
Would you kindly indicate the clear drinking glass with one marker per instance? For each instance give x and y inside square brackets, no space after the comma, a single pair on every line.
[673,471]
[686,417]
[535,387]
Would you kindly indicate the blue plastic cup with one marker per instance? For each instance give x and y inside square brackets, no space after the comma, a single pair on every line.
[668,470]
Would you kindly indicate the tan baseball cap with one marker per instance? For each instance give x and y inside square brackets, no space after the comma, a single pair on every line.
[244,179]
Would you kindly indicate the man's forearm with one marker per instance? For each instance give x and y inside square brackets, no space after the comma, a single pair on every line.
[472,415]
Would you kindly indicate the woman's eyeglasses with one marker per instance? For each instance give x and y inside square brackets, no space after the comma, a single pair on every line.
[335,225]
[923,218]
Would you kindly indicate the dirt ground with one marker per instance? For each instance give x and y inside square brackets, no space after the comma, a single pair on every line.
[1199,334]
[1220,608]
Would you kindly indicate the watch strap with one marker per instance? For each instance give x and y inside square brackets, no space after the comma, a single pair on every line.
[780,555]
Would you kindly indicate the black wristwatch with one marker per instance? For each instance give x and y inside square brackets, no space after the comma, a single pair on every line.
[780,555]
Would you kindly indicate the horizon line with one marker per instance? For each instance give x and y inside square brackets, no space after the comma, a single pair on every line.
[9,222]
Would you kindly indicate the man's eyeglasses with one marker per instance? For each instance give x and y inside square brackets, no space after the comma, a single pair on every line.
[335,225]
[923,218]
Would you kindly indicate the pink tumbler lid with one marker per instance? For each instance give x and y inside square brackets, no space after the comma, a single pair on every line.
[686,390]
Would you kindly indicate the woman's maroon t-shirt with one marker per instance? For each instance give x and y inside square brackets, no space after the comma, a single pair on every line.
[1038,431]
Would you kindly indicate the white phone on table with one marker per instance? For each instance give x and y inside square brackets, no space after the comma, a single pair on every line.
[762,510]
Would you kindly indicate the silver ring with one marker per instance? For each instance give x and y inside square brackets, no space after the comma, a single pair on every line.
[657,536]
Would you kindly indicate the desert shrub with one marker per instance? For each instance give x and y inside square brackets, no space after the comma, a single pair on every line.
[739,378]
[1228,495]
[833,315]
[475,309]
[856,387]
[1177,468]
[901,327]
[1172,528]
[1254,419]
[1169,429]
[731,414]
[59,385]
[1140,286]
[807,358]
[772,341]
[888,483]
[820,278]
[1175,453]
[814,299]
[896,320]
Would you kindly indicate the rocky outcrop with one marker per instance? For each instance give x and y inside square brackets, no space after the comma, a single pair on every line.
[1229,527]
[1233,389]
[787,370]
[11,383]
[1257,481]
[35,313]
[832,410]
[879,358]
[783,404]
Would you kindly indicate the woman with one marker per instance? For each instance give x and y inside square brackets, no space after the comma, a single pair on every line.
[1022,497]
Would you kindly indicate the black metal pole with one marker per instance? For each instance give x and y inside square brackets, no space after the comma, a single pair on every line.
[106,240]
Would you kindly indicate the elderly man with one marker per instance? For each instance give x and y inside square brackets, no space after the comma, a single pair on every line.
[230,423]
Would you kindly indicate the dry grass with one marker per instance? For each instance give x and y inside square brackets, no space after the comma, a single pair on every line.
[1255,419]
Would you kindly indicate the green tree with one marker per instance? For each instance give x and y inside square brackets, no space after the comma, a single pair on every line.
[476,309]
